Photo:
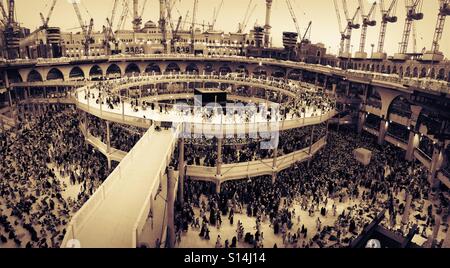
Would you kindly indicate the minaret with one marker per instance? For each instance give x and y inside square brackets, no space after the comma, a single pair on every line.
[267,26]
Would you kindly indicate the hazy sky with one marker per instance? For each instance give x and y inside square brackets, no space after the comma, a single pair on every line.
[320,12]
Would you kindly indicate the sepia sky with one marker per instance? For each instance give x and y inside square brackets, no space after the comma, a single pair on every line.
[320,12]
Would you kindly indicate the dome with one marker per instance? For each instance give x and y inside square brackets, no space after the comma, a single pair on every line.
[149,24]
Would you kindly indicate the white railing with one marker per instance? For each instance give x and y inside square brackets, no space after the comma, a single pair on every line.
[145,209]
[254,168]
[80,218]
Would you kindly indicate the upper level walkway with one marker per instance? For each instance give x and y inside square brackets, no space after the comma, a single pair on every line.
[117,212]
[388,80]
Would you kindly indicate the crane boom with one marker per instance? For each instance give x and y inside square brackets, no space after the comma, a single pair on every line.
[80,18]
[350,26]
[386,17]
[216,15]
[412,14]
[294,18]
[50,12]
[341,31]
[248,18]
[2,8]
[194,17]
[444,11]
[306,32]
[367,21]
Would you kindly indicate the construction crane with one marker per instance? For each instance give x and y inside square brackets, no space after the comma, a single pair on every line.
[294,18]
[351,24]
[413,13]
[215,16]
[248,13]
[4,20]
[46,20]
[387,16]
[367,21]
[123,16]
[87,30]
[308,29]
[342,31]
[444,11]
[194,17]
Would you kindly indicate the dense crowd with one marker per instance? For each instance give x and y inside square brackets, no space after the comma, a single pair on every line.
[122,137]
[307,101]
[335,192]
[47,173]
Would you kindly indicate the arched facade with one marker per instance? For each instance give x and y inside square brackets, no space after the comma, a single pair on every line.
[76,73]
[132,69]
[113,71]
[95,72]
[55,74]
[34,76]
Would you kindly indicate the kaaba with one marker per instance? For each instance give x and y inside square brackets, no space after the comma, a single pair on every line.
[207,96]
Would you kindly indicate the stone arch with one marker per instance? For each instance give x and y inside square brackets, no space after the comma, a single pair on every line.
[387,96]
[173,67]
[278,73]
[76,73]
[225,69]
[394,70]
[416,72]
[441,74]
[55,74]
[192,68]
[260,71]
[34,76]
[295,75]
[377,68]
[400,73]
[400,106]
[113,71]
[96,72]
[132,69]
[423,72]
[209,68]
[388,69]
[383,68]
[433,73]
[242,69]
[408,72]
[14,76]
[153,68]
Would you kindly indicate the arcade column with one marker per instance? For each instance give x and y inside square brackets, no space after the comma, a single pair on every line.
[333,88]
[171,182]
[362,116]
[219,157]
[218,186]
[436,162]
[182,170]
[274,163]
[108,137]
[384,124]
[413,143]
[446,243]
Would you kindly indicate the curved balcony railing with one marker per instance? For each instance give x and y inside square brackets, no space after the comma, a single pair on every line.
[254,168]
[365,76]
